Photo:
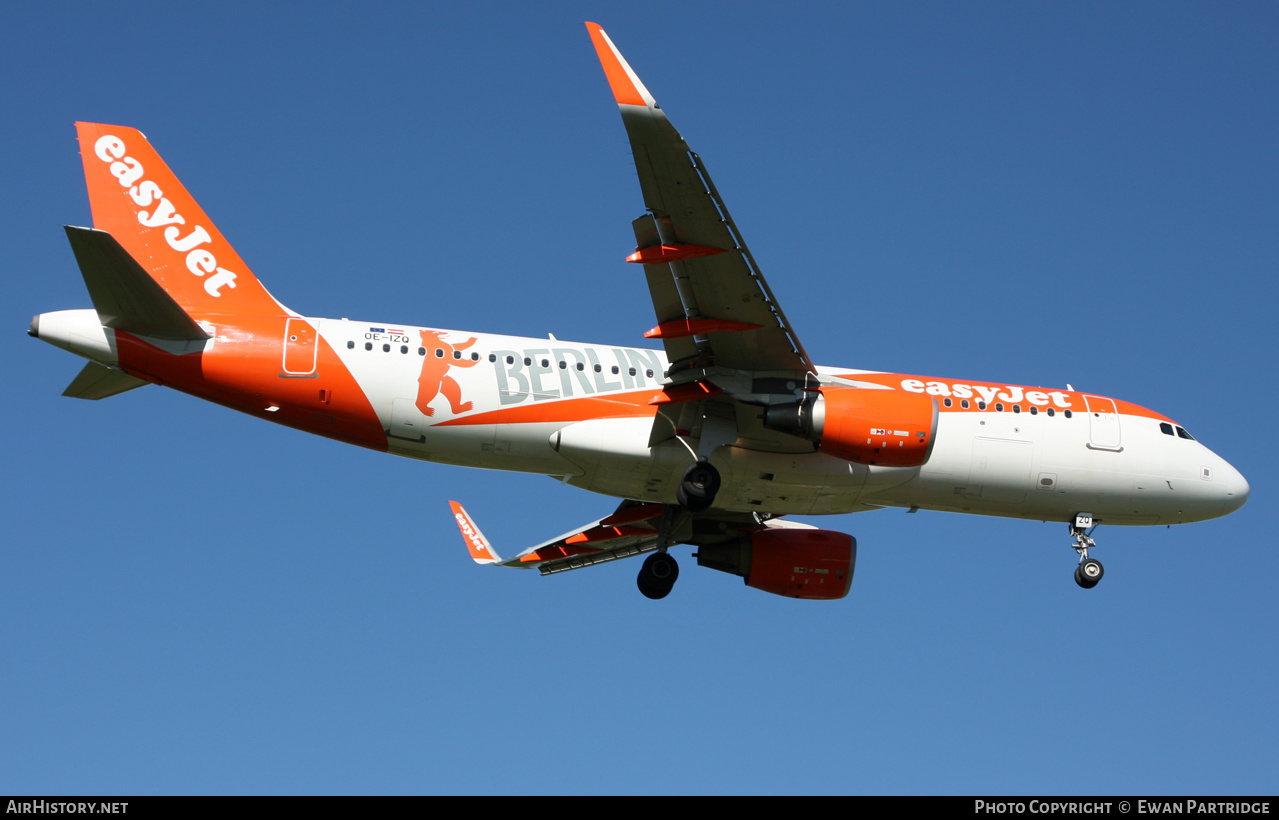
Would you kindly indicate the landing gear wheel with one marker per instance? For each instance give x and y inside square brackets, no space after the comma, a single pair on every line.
[1089,573]
[657,576]
[697,489]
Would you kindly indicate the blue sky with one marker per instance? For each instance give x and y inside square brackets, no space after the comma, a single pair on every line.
[195,601]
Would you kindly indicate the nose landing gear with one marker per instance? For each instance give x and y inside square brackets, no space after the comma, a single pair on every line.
[1090,570]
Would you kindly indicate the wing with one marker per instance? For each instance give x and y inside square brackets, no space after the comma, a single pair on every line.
[715,312]
[634,528]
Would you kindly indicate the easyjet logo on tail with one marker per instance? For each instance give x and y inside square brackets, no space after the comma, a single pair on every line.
[147,194]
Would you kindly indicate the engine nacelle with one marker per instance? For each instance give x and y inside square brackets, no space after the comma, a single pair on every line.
[891,428]
[795,561]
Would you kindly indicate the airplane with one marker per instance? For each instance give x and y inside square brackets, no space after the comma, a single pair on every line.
[710,441]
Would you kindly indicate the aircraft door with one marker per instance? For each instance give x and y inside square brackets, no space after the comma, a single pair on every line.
[300,348]
[1103,423]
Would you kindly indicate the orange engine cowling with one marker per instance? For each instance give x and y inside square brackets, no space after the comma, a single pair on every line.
[890,428]
[797,562]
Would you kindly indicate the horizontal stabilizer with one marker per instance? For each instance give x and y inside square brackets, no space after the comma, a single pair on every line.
[125,295]
[98,381]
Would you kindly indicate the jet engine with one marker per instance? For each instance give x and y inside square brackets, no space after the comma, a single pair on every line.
[890,428]
[788,559]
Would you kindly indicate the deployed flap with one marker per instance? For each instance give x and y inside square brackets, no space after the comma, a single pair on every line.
[698,267]
[124,295]
[98,381]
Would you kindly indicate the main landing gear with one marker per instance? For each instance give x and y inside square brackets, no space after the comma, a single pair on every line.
[657,576]
[695,493]
[697,489]
[1090,570]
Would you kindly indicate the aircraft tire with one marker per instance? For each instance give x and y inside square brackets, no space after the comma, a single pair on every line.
[1089,573]
[698,487]
[657,576]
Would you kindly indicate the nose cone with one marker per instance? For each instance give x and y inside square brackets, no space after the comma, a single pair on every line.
[1236,488]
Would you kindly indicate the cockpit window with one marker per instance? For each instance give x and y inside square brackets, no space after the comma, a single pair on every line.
[1181,432]
[1165,428]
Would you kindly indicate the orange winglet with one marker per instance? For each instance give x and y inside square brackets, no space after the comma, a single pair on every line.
[640,512]
[681,393]
[662,254]
[627,89]
[551,553]
[481,550]
[696,327]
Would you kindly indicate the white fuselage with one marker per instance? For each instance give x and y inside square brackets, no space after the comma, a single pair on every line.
[581,412]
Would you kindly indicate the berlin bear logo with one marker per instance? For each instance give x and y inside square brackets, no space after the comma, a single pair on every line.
[435,378]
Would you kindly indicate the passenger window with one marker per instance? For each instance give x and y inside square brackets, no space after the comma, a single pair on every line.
[1052,412]
[632,371]
[421,351]
[439,354]
[350,345]
[386,348]
[545,363]
[981,405]
[475,357]
[404,348]
[648,373]
[492,357]
[1034,411]
[368,345]
[510,360]
[563,365]
[581,366]
[597,368]
[614,370]
[947,402]
[999,407]
[457,354]
[964,403]
[1165,428]
[527,361]
[1069,414]
[1016,408]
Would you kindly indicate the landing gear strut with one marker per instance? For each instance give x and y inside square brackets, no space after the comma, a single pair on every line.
[1090,570]
[657,576]
[697,489]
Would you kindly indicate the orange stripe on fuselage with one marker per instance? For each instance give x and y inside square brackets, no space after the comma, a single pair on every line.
[242,371]
[616,405]
[992,393]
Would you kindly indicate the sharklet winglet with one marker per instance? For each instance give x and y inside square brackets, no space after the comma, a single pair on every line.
[481,550]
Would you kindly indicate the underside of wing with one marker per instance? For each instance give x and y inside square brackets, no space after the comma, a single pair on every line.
[634,528]
[714,309]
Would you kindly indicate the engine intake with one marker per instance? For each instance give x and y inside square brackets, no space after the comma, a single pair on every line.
[892,428]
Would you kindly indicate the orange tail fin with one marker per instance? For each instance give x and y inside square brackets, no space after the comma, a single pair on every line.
[138,200]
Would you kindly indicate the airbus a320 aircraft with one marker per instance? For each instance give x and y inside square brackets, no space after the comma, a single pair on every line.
[710,441]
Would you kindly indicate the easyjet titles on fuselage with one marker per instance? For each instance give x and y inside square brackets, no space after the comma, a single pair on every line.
[988,393]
